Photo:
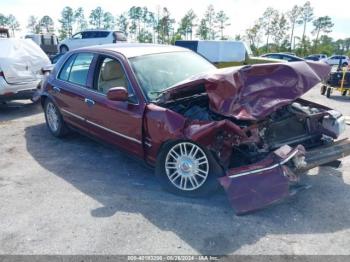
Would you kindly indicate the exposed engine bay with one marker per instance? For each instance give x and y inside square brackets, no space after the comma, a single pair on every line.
[301,122]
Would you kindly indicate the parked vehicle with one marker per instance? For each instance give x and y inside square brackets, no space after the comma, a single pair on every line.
[283,56]
[47,42]
[316,57]
[198,125]
[90,38]
[21,62]
[312,58]
[56,58]
[336,59]
[224,53]
[4,33]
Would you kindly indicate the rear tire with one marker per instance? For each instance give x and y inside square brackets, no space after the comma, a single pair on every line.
[323,89]
[344,93]
[54,120]
[186,169]
[64,49]
[329,91]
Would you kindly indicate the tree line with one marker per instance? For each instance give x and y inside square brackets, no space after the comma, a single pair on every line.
[274,31]
[278,29]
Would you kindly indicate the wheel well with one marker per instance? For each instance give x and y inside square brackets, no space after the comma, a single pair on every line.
[64,46]
[42,101]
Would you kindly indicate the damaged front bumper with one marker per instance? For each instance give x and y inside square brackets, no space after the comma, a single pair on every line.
[260,184]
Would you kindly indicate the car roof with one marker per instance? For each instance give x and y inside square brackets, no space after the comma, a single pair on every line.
[279,54]
[135,49]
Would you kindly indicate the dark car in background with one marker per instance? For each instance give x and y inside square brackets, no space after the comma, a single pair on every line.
[47,42]
[283,56]
[199,126]
[4,33]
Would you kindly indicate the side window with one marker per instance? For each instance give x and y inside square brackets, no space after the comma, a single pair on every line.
[80,68]
[287,58]
[111,74]
[102,34]
[64,74]
[87,35]
[274,56]
[77,36]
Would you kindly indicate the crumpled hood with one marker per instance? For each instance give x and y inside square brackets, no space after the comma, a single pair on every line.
[253,92]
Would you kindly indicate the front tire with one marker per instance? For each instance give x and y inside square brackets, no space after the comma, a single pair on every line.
[329,91]
[54,120]
[186,169]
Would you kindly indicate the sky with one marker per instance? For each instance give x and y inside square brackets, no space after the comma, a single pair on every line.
[242,13]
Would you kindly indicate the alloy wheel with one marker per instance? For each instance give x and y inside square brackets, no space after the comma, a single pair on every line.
[52,117]
[187,166]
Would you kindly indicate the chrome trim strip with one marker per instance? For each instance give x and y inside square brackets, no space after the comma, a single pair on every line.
[72,114]
[265,168]
[114,132]
[102,127]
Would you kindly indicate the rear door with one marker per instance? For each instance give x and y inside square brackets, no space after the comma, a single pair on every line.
[70,87]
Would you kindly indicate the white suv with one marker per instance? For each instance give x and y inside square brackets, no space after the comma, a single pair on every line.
[91,37]
[335,59]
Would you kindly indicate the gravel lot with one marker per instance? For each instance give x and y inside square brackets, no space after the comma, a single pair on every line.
[76,196]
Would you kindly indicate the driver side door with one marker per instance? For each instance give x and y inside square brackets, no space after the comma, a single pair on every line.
[116,122]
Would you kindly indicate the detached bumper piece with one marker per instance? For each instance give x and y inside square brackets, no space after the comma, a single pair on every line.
[276,177]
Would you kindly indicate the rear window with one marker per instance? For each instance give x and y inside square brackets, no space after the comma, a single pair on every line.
[76,69]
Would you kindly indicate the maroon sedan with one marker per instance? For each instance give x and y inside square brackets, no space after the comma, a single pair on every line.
[243,128]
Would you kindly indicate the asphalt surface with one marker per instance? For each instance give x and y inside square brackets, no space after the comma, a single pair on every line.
[77,196]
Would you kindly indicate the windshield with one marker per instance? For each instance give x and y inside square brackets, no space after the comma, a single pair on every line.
[157,72]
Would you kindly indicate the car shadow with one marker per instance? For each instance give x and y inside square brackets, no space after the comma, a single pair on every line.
[17,109]
[121,184]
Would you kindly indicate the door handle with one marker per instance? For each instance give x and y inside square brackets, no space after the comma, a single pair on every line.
[56,89]
[89,101]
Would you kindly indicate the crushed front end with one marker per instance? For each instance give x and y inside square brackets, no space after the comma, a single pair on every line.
[257,127]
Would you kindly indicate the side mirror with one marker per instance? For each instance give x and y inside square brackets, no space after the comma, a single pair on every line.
[117,94]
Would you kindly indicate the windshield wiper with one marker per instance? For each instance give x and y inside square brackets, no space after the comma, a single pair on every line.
[159,94]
